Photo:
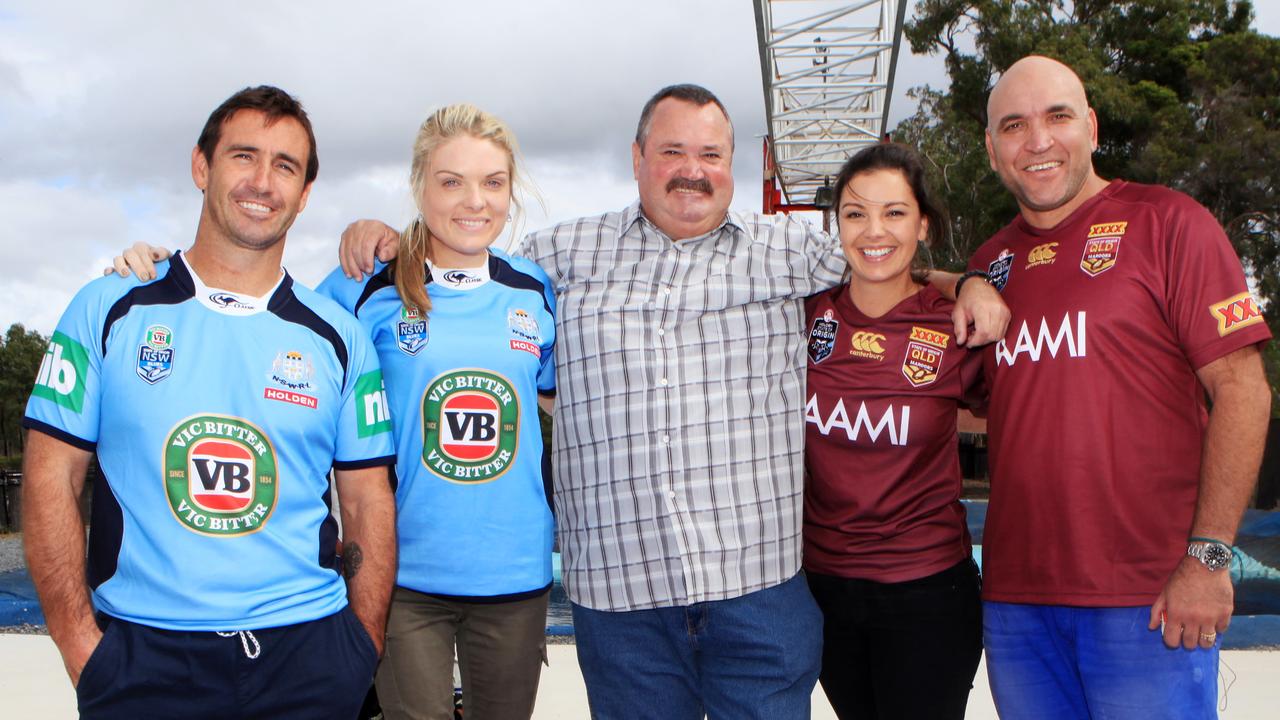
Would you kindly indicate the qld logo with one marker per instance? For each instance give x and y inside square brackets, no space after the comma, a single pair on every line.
[411,331]
[220,475]
[155,355]
[470,421]
[923,359]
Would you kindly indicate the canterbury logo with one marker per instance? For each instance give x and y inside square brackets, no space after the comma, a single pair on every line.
[1235,313]
[1042,254]
[868,342]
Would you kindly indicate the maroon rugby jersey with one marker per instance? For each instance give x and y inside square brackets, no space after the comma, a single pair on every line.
[1096,415]
[882,492]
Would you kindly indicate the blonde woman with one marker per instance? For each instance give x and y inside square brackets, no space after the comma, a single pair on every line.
[465,334]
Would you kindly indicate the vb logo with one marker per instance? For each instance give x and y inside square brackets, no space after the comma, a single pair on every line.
[470,420]
[220,475]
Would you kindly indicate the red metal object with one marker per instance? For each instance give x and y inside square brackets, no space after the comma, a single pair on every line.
[773,203]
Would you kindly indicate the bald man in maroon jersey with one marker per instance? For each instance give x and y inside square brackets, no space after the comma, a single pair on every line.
[1115,494]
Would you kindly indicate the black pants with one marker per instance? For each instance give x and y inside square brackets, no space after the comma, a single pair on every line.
[320,669]
[900,651]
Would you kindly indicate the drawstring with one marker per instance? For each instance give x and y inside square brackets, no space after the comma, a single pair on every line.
[246,637]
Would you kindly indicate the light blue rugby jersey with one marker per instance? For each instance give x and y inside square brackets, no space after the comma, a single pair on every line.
[473,495]
[215,428]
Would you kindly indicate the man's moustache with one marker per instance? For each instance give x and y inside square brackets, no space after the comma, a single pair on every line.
[702,186]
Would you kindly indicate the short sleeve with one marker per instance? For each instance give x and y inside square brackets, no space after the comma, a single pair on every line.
[547,367]
[66,398]
[1208,301]
[364,433]
[341,289]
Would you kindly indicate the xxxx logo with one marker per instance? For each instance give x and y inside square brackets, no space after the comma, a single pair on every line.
[220,475]
[867,344]
[1042,255]
[923,359]
[470,421]
[1235,313]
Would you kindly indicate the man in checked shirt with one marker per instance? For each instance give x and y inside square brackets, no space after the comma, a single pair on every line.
[679,427]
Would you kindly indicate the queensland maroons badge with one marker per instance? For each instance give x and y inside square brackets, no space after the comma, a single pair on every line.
[220,475]
[470,421]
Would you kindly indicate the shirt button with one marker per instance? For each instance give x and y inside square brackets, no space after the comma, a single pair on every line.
[666,291]
[672,494]
[662,382]
[661,332]
[666,439]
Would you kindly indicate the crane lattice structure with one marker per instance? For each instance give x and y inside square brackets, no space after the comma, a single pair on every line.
[828,72]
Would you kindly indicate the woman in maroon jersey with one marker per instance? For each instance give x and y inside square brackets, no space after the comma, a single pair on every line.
[886,549]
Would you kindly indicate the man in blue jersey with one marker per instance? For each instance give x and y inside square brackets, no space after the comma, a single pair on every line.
[217,398]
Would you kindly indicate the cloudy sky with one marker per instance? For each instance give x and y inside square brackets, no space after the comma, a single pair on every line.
[101,102]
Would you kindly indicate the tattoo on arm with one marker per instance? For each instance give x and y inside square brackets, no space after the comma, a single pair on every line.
[352,559]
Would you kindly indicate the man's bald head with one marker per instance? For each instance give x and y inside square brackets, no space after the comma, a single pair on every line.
[1035,70]
[1041,136]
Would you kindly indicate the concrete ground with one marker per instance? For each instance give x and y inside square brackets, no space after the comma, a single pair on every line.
[33,684]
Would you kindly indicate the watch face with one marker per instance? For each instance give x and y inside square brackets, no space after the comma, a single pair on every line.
[1216,557]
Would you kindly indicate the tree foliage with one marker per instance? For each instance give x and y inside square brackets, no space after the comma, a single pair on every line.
[21,351]
[1187,95]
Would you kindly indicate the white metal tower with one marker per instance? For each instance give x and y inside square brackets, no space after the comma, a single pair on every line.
[828,71]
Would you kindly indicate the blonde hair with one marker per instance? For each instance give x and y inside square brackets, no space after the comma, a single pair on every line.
[447,123]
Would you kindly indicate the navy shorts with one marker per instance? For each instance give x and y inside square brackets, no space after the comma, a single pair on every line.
[317,669]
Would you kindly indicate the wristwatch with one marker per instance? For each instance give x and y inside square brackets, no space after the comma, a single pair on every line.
[1213,555]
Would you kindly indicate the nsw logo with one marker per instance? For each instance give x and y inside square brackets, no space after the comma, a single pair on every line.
[411,331]
[470,421]
[155,355]
[822,337]
[220,475]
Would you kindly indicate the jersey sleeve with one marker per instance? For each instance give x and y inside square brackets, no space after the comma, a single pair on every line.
[1208,301]
[364,432]
[547,362]
[342,289]
[66,398]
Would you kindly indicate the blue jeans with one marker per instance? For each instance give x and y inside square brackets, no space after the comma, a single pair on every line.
[1048,662]
[755,656]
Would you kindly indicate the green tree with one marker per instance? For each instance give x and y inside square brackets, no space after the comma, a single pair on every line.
[1187,95]
[21,351]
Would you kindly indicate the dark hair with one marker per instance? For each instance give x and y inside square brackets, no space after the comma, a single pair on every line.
[905,159]
[689,93]
[270,101]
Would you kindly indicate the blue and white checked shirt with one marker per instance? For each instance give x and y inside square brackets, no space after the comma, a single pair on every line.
[679,419]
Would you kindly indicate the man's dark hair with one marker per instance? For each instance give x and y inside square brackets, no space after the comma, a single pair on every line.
[689,93]
[270,101]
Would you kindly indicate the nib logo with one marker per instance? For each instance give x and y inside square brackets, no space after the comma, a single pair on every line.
[62,373]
